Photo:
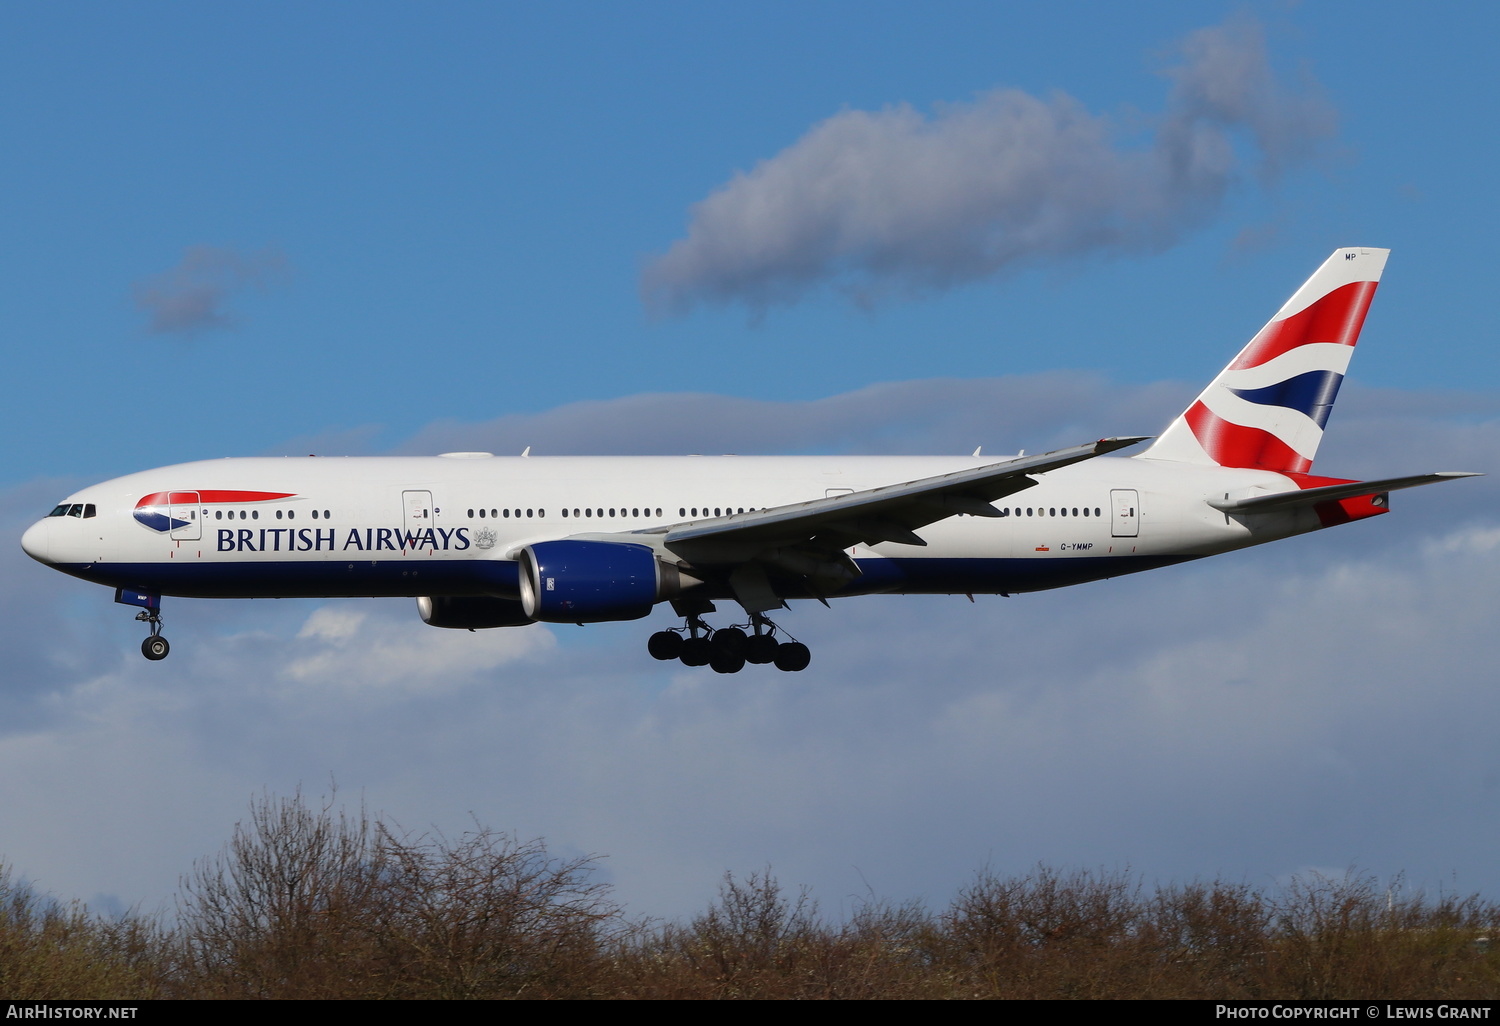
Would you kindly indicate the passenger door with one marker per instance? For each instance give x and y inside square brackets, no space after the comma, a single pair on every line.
[1125,519]
[184,512]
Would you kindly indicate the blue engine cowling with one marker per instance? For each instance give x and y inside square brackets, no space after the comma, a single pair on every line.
[593,581]
[470,614]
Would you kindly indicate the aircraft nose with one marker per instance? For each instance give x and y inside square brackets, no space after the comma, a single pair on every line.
[36,541]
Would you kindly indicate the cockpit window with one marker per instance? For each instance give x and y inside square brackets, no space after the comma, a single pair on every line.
[74,509]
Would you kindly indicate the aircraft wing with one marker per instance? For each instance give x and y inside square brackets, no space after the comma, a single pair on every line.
[819,528]
[1279,502]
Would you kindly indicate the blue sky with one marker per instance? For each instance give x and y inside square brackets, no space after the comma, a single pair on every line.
[336,228]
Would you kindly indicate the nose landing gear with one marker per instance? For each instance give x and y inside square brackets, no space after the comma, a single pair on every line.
[155,646]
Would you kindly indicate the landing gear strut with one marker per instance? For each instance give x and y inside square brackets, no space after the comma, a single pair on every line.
[728,649]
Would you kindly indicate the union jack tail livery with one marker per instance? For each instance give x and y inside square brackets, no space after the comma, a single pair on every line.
[1267,409]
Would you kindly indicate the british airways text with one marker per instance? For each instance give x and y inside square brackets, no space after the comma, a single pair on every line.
[369,539]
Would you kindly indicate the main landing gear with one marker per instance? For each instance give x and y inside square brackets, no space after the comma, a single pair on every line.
[728,649]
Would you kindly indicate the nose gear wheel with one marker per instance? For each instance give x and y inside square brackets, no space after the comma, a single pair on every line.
[155,647]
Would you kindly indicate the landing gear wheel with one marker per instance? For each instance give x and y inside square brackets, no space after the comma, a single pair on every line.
[727,662]
[729,641]
[155,647]
[665,645]
[761,649]
[696,652]
[792,656]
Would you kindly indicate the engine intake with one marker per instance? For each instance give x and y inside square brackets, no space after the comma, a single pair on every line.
[593,581]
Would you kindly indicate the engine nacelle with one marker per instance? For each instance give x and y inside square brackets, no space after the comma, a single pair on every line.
[593,581]
[464,613]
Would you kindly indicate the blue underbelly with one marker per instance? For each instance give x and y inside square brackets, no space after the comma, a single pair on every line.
[500,578]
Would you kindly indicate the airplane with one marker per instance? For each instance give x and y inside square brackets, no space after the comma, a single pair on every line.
[483,541]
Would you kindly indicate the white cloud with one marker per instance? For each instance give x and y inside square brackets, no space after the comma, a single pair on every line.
[344,647]
[875,202]
[922,416]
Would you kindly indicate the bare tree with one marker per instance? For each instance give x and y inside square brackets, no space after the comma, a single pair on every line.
[316,902]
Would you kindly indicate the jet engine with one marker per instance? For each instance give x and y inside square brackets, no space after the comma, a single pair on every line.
[471,613]
[573,581]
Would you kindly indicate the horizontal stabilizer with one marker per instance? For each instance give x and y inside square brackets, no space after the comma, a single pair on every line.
[1281,501]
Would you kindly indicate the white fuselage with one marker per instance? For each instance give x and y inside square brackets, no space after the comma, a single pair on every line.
[359,526]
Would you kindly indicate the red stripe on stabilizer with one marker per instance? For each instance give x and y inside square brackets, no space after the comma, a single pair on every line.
[1337,318]
[1342,511]
[1305,481]
[166,498]
[1345,511]
[1235,445]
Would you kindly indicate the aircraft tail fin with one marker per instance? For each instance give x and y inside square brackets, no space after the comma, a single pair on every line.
[1266,410]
